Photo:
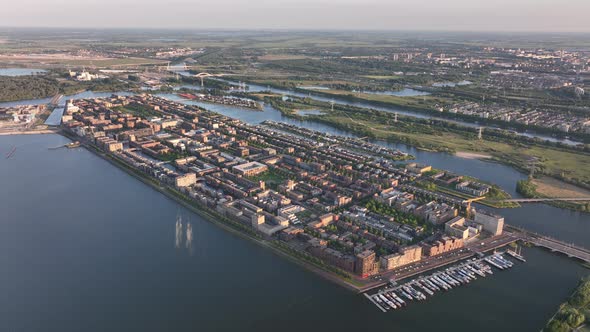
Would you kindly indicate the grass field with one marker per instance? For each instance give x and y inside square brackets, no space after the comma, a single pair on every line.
[99,62]
[382,77]
[424,102]
[550,187]
[272,57]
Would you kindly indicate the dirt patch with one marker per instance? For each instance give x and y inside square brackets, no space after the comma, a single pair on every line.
[271,57]
[471,155]
[554,188]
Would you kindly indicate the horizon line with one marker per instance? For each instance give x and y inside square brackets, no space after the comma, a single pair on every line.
[300,29]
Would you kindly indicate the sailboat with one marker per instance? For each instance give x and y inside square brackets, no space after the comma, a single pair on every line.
[516,254]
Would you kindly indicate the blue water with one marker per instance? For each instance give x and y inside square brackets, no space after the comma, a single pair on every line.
[20,71]
[86,247]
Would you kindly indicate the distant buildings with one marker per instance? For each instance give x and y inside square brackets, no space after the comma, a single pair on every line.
[85,76]
[18,115]
[418,168]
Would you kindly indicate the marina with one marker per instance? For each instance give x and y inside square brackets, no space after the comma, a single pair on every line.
[419,289]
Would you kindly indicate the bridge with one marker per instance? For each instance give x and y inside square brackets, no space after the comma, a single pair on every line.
[184,67]
[535,200]
[55,100]
[569,249]
[203,75]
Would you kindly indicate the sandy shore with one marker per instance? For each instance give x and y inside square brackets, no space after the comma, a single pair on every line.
[471,155]
[30,132]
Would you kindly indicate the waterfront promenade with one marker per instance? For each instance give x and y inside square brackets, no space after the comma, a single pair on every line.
[30,132]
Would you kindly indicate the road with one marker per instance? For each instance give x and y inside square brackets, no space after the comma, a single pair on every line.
[431,263]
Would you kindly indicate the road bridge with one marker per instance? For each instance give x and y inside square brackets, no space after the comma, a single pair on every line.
[569,249]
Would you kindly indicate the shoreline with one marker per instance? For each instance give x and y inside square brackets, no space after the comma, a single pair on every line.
[352,284]
[213,218]
[31,132]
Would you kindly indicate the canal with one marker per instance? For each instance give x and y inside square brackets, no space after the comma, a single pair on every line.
[567,225]
[391,109]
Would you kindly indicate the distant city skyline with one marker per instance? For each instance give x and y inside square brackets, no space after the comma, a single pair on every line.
[455,15]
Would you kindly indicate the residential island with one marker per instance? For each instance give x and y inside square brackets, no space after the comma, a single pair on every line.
[345,206]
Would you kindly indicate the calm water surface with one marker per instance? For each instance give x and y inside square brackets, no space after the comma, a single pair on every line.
[20,71]
[86,247]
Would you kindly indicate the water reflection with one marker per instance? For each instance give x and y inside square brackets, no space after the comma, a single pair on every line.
[182,235]
[178,239]
[189,237]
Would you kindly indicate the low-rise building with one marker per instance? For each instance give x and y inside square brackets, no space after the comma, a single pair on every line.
[250,169]
[441,246]
[418,168]
[185,180]
[456,227]
[405,256]
[473,188]
[490,222]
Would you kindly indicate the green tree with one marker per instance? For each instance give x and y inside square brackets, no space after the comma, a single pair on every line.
[556,326]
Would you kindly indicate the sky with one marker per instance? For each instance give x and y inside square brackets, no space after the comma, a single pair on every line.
[449,15]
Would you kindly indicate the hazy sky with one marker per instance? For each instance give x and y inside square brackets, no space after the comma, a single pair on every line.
[488,15]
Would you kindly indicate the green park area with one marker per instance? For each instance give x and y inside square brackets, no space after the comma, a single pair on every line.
[574,313]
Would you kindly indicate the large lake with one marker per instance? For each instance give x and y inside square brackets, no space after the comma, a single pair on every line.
[86,247]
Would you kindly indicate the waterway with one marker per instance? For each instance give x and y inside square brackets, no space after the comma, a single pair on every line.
[568,225]
[405,92]
[20,71]
[547,220]
[394,109]
[86,247]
